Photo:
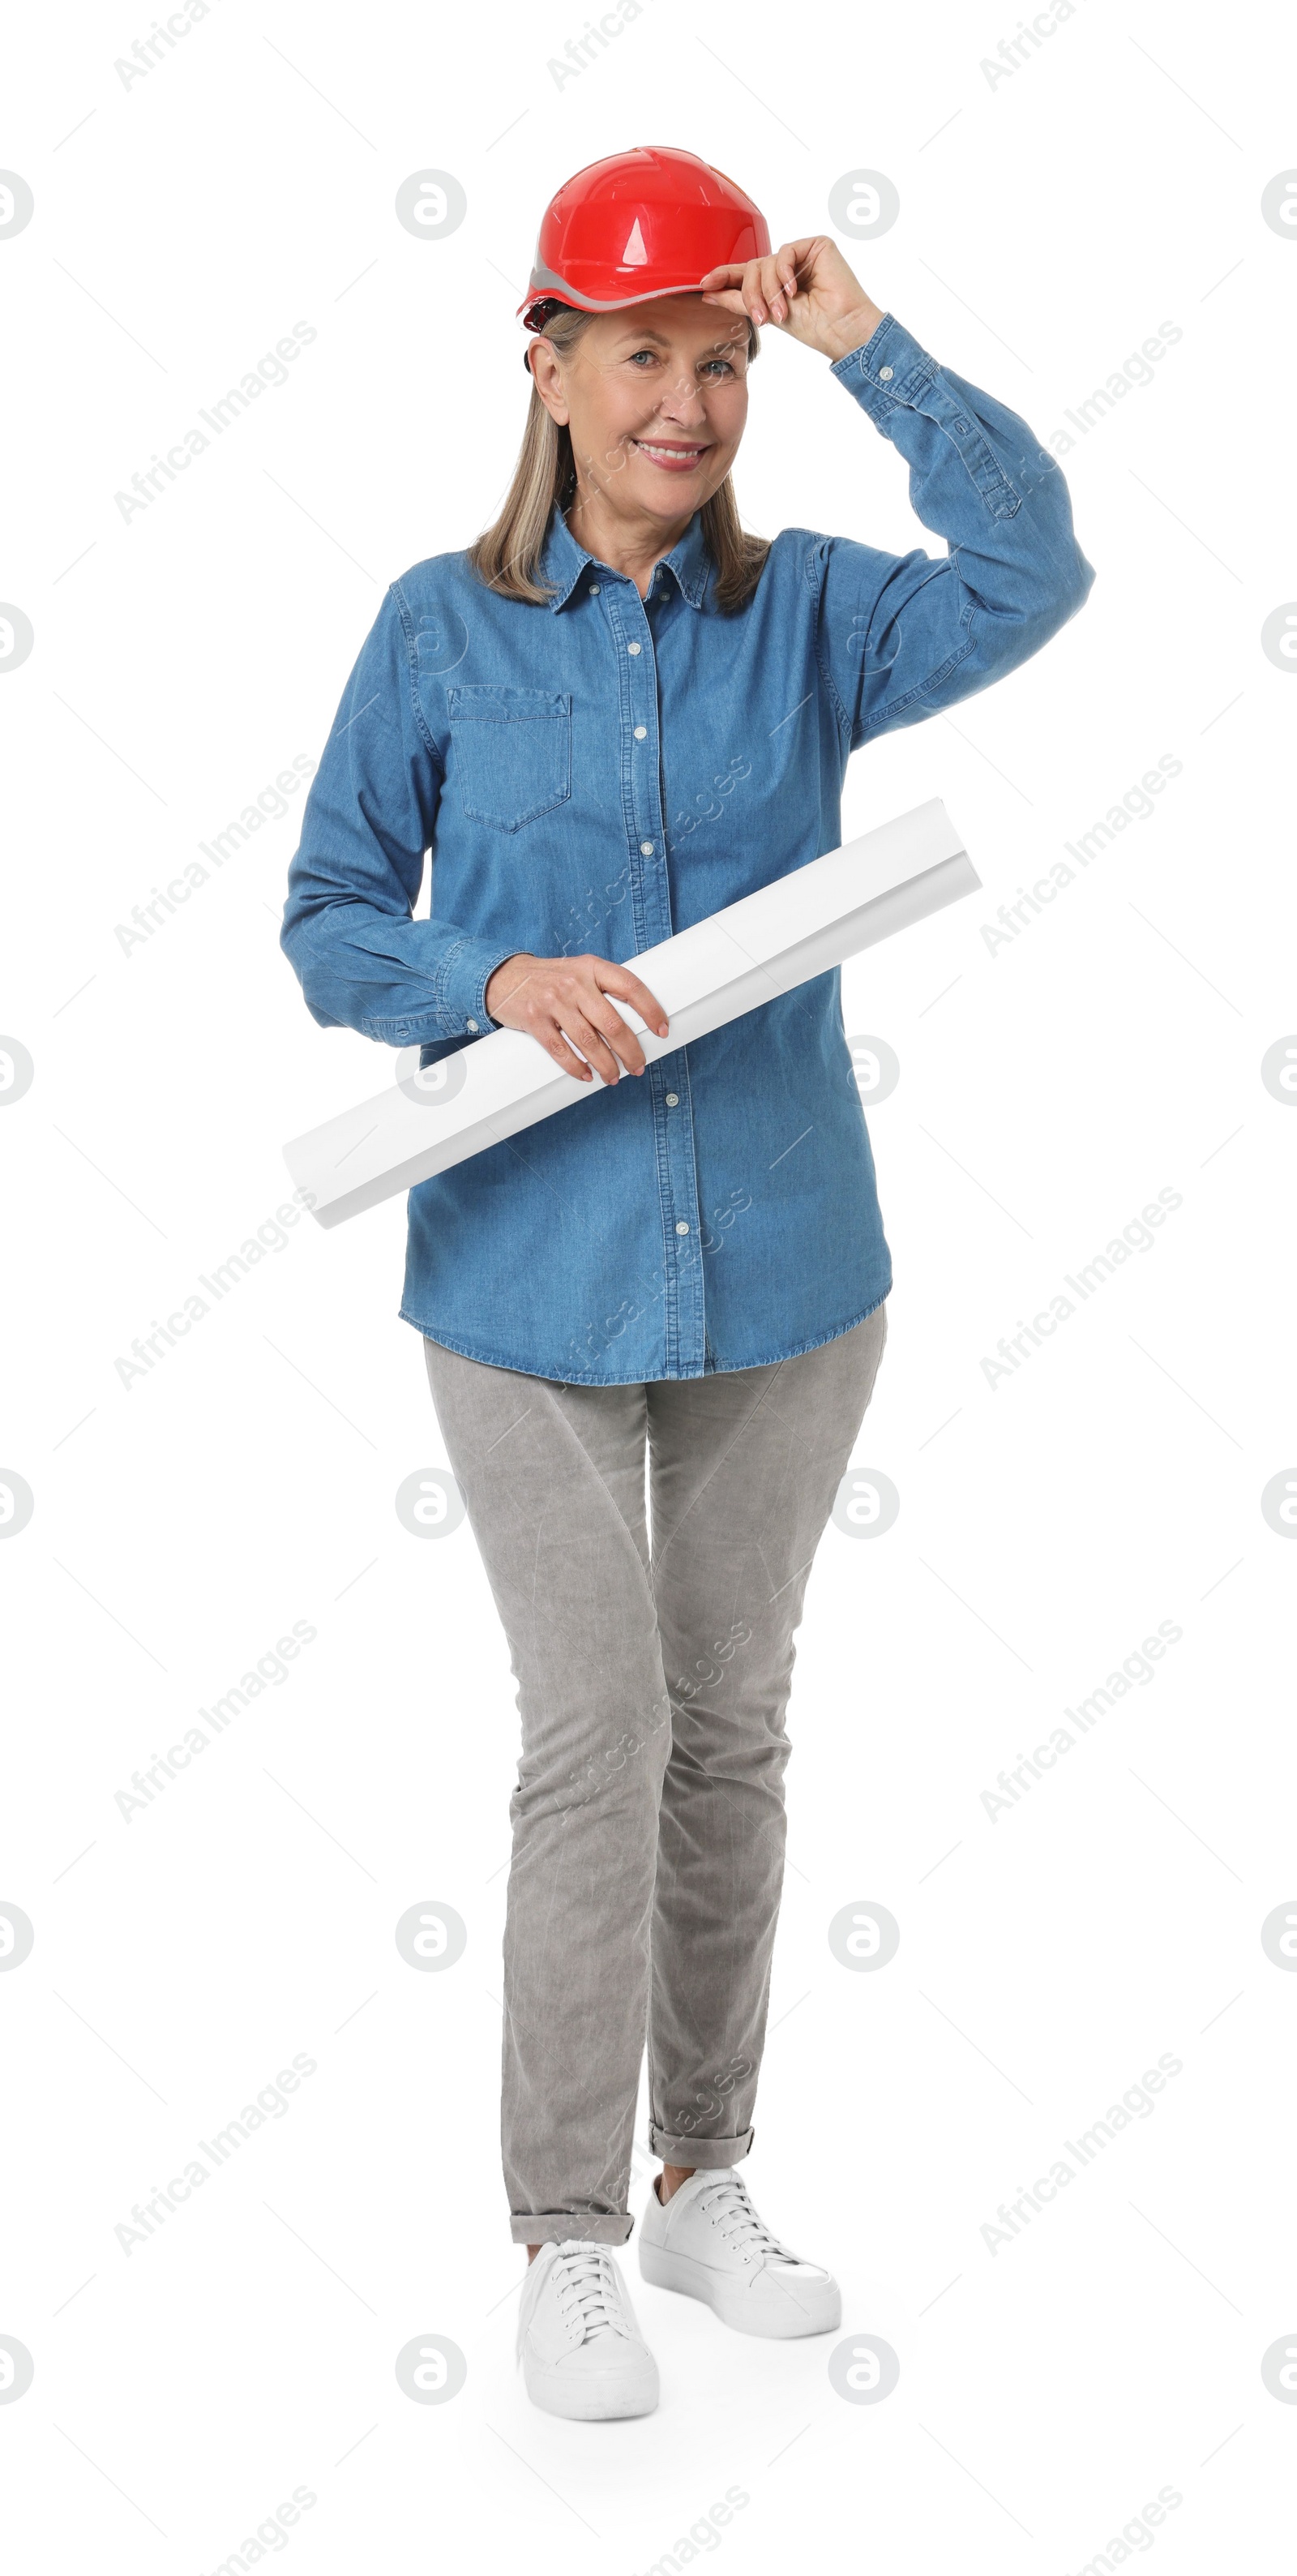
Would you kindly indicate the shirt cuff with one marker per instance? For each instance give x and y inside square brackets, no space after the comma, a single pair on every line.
[890,368]
[460,994]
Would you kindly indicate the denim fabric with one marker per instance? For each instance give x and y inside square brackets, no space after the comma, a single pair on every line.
[654,1663]
[600,772]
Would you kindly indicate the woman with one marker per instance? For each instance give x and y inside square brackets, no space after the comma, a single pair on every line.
[615,714]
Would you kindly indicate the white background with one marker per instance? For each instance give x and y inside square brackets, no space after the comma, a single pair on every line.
[1048,2389]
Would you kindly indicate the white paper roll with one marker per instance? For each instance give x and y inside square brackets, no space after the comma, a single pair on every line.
[728,964]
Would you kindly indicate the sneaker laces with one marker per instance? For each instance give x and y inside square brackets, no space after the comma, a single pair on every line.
[729,2208]
[585,2279]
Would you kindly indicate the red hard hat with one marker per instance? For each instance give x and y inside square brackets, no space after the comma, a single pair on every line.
[642,223]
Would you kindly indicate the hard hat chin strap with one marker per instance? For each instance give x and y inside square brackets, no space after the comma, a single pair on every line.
[535,320]
[537,314]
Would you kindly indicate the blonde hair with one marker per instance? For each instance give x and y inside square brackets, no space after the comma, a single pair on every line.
[507,554]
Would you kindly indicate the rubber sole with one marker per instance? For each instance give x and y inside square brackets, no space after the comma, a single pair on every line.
[588,2399]
[787,2314]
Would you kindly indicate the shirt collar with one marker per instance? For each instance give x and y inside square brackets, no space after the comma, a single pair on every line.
[563,561]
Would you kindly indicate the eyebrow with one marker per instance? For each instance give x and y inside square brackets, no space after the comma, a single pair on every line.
[714,349]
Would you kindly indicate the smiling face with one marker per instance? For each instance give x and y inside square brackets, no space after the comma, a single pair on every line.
[655,400]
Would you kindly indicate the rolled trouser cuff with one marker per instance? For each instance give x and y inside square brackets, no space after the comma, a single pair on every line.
[555,2227]
[704,2154]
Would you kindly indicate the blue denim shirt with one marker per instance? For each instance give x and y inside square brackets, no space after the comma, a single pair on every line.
[598,773]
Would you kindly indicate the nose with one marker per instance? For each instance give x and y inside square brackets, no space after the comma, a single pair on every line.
[682,404]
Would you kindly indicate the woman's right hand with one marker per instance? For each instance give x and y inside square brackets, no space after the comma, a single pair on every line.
[554,999]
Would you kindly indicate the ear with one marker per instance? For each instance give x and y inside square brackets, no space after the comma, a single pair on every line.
[547,377]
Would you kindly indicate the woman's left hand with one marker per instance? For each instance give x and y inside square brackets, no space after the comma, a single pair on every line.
[805,288]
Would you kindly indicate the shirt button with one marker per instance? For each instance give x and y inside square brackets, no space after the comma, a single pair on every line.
[471,1026]
[673,1100]
[682,1228]
[640,731]
[884,375]
[632,648]
[594,590]
[961,424]
[646,849]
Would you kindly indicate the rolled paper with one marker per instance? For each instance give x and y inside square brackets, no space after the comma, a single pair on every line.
[729,963]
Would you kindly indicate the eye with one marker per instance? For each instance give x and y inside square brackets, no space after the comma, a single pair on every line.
[722,364]
[637,354]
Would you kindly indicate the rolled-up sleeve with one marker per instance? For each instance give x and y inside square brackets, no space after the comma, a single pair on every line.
[362,960]
[901,636]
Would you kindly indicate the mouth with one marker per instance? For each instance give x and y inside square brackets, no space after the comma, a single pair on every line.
[673,459]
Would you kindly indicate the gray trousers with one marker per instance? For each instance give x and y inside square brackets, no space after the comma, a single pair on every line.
[648,1818]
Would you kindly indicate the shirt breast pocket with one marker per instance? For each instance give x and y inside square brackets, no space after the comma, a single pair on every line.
[513,751]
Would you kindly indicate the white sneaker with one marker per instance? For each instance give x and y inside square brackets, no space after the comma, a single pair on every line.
[709,2242]
[581,2349]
